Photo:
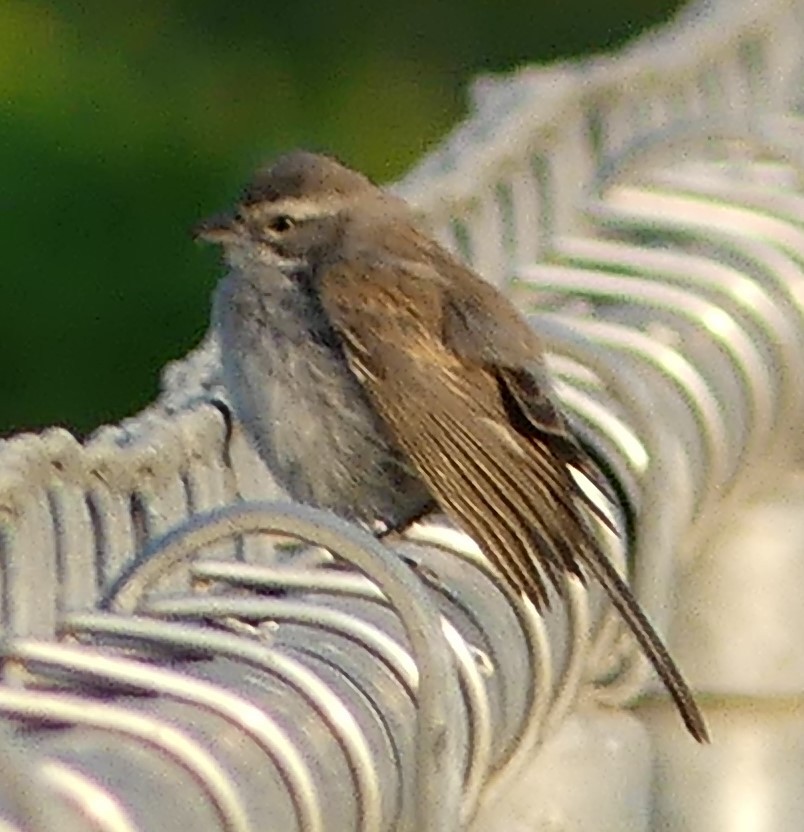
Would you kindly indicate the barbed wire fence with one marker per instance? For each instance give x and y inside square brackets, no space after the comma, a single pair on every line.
[173,657]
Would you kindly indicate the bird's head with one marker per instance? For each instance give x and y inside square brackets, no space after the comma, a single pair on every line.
[293,214]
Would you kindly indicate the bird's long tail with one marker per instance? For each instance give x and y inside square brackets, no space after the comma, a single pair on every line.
[622,598]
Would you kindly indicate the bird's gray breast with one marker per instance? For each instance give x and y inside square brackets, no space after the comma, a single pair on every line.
[307,414]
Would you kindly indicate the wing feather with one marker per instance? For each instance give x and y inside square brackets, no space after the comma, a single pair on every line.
[482,435]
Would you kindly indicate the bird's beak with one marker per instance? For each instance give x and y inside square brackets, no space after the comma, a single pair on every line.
[219,228]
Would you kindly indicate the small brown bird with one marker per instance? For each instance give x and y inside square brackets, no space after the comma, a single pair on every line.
[379,377]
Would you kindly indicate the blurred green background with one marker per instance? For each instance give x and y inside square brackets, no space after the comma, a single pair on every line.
[122,123]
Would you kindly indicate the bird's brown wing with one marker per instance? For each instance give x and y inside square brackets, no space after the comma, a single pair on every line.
[484,327]
[464,410]
[446,413]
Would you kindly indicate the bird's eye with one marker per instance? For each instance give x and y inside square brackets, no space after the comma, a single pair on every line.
[281,223]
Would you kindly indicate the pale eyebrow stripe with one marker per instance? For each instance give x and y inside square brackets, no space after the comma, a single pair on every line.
[301,208]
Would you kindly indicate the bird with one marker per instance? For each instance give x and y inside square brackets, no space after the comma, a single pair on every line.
[380,378]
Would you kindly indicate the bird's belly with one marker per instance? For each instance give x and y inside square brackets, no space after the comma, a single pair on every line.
[314,427]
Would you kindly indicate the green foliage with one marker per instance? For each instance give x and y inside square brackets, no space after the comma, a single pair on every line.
[123,123]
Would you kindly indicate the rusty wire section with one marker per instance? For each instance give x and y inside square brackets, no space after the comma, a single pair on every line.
[180,653]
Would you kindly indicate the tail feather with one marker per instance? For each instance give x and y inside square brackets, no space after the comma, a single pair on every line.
[622,598]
